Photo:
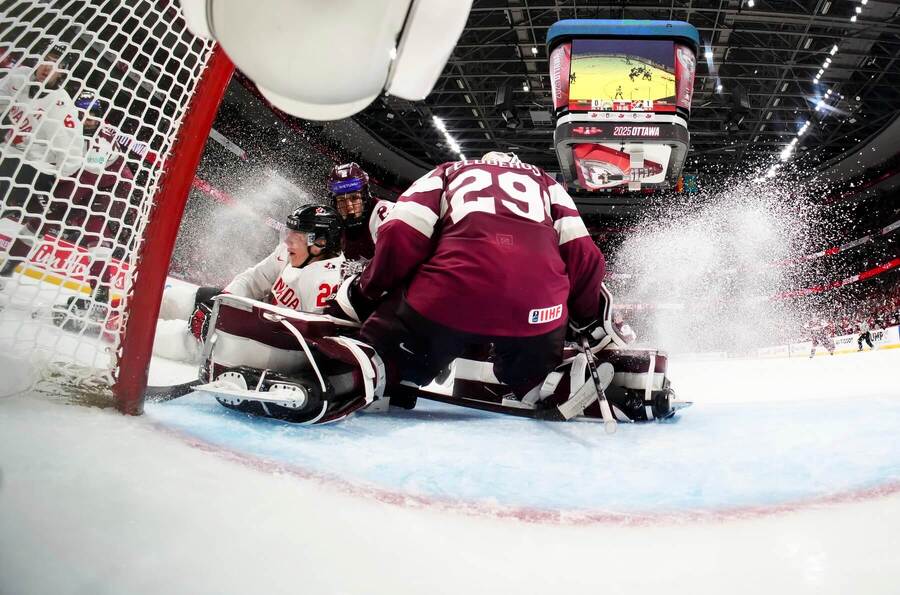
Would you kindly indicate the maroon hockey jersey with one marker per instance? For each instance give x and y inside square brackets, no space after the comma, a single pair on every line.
[488,247]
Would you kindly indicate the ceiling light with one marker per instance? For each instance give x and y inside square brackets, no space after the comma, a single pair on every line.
[858,10]
[459,83]
[534,51]
[826,8]
[834,50]
[806,43]
[467,98]
[776,102]
[825,65]
[853,19]
[719,87]
[864,2]
[750,3]
[784,87]
[708,54]
[525,87]
[828,92]
[828,60]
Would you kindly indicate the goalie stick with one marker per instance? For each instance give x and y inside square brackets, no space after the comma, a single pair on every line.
[160,394]
[609,422]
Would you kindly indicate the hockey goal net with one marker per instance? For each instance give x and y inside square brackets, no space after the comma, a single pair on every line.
[105,107]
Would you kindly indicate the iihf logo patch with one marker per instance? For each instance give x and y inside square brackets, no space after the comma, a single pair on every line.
[543,315]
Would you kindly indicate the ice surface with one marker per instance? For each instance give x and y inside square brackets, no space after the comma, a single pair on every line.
[791,465]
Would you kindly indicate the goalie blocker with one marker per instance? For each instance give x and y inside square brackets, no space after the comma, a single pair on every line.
[309,369]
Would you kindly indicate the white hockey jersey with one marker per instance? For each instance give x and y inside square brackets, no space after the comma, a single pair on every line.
[305,289]
[45,129]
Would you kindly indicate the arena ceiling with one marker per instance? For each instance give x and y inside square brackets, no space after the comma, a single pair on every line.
[752,96]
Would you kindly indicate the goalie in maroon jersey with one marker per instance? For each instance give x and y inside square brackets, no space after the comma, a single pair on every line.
[361,213]
[477,253]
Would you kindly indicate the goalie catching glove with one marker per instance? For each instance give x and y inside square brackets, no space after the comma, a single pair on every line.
[593,330]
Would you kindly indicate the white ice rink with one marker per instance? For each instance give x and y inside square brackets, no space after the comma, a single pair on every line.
[783,478]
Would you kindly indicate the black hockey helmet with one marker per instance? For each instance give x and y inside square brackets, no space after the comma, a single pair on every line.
[317,222]
[345,181]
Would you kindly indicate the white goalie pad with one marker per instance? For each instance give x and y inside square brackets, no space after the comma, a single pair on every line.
[329,60]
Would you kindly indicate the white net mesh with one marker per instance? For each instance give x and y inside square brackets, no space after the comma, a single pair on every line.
[92,95]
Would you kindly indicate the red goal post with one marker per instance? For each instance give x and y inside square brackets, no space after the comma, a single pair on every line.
[96,163]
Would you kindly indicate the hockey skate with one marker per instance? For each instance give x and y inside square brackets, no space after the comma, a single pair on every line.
[84,315]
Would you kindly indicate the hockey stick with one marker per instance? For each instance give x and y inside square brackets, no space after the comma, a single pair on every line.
[609,422]
[161,394]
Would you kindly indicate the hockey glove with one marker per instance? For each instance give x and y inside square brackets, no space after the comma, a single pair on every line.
[593,330]
[349,303]
[200,321]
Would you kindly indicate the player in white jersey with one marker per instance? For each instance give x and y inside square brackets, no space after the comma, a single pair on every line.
[40,141]
[40,122]
[304,270]
[300,274]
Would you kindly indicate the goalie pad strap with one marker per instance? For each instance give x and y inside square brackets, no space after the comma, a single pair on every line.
[343,299]
[372,367]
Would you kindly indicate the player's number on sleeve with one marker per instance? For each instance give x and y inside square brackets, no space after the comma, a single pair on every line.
[524,194]
[325,290]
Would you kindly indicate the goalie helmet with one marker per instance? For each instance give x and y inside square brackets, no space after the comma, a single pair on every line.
[318,222]
[349,188]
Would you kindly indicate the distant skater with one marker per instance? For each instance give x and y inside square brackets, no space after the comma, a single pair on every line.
[864,335]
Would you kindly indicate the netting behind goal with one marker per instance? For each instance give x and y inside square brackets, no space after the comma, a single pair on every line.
[104,110]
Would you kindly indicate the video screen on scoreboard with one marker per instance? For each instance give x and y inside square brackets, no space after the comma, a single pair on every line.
[622,75]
